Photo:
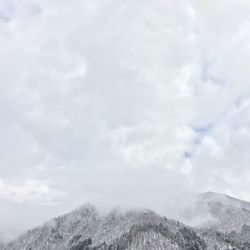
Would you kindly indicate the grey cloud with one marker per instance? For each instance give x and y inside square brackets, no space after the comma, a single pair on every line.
[99,101]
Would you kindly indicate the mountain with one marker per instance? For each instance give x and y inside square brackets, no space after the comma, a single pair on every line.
[86,228]
[219,211]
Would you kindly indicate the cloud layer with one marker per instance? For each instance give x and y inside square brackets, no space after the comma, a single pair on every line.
[128,103]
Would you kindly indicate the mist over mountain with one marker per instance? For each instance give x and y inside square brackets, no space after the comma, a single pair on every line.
[228,212]
[87,228]
[125,105]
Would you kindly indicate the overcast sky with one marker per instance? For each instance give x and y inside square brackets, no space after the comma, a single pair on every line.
[121,102]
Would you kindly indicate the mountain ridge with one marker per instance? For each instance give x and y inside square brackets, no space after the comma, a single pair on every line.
[86,228]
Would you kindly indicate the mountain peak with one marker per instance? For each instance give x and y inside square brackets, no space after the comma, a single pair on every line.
[223,199]
[86,228]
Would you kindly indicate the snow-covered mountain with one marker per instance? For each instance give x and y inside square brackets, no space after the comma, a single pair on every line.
[85,228]
[219,211]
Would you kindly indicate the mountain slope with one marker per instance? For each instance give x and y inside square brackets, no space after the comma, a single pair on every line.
[221,212]
[85,228]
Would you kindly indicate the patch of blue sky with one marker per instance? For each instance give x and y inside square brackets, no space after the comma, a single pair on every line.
[241,99]
[208,74]
[203,128]
[4,17]
[201,131]
[188,154]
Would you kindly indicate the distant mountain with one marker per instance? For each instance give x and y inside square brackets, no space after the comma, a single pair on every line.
[87,229]
[219,211]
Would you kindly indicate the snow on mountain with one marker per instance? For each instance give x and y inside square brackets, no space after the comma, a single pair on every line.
[219,211]
[86,228]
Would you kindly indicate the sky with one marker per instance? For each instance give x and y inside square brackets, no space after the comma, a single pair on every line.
[121,103]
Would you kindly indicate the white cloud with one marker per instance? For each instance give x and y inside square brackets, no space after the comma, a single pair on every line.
[98,99]
[30,191]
